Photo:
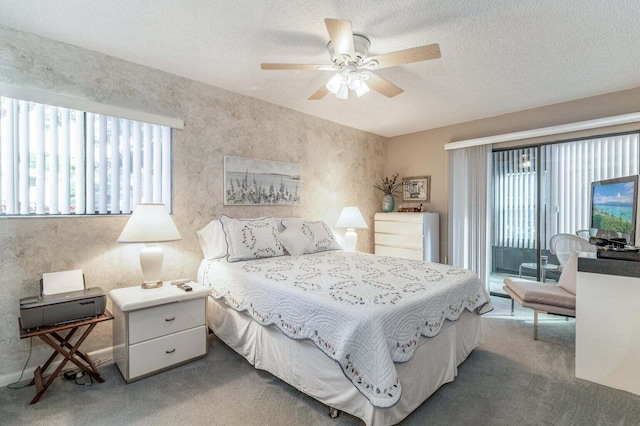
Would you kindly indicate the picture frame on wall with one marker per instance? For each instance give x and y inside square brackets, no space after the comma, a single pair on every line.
[251,182]
[416,189]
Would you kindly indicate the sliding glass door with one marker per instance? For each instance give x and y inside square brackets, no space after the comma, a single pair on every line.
[515,214]
[544,190]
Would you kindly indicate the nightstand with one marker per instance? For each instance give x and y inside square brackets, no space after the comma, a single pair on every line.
[158,329]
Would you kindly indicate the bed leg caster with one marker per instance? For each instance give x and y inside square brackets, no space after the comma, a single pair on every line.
[333,413]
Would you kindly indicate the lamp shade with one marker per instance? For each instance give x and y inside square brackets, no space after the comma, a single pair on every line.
[149,223]
[350,217]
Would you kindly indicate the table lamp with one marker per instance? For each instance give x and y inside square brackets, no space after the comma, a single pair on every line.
[150,223]
[350,218]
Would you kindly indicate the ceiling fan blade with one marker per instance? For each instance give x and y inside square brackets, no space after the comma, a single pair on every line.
[318,94]
[297,67]
[341,36]
[382,86]
[407,56]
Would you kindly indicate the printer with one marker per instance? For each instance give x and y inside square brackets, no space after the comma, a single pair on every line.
[73,303]
[40,311]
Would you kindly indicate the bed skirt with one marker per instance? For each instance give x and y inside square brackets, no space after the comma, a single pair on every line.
[302,365]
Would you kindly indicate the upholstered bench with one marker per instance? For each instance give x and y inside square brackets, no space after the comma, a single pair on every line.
[557,299]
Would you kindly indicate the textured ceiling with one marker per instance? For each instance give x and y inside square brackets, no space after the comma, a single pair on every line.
[498,56]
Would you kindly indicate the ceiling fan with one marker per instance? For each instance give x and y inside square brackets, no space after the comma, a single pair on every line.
[353,67]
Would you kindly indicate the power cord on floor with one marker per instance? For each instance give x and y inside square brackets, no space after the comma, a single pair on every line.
[12,385]
[71,375]
[76,376]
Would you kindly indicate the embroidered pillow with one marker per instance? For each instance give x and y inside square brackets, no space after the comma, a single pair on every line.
[294,241]
[251,238]
[212,240]
[321,237]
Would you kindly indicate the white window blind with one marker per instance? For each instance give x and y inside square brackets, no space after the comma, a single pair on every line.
[515,198]
[57,160]
[567,168]
[570,167]
[469,174]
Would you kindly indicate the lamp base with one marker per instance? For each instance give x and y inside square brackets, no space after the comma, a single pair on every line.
[151,285]
[350,239]
[151,257]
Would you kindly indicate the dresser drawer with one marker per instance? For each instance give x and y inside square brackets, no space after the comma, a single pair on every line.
[163,352]
[150,323]
[402,241]
[405,228]
[399,252]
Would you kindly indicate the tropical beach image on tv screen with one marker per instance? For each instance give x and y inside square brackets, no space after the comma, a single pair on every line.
[613,207]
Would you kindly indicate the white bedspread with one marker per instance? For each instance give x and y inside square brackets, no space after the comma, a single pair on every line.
[361,310]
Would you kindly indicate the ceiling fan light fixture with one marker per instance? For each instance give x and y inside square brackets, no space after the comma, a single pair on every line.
[333,85]
[343,93]
[354,80]
[363,89]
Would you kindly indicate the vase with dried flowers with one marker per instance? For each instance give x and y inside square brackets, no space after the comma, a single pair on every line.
[390,187]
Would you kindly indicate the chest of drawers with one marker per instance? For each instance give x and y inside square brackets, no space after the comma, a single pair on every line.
[157,329]
[408,235]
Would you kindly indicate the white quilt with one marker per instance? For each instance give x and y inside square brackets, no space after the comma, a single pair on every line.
[361,310]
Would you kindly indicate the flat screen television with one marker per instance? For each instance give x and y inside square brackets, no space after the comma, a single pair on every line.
[614,208]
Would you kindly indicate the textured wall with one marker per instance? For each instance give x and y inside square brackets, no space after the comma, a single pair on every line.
[339,166]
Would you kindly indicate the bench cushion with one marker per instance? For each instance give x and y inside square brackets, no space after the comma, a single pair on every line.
[538,293]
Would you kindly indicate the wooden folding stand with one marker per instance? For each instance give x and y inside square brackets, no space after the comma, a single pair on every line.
[63,346]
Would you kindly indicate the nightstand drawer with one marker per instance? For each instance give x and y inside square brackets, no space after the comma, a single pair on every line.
[150,323]
[163,352]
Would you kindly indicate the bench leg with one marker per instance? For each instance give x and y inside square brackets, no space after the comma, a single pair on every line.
[535,325]
[512,307]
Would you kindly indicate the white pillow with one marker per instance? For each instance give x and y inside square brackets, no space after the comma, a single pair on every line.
[569,274]
[294,241]
[251,238]
[319,233]
[212,241]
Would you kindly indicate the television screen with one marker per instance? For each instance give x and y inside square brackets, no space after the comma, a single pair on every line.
[613,208]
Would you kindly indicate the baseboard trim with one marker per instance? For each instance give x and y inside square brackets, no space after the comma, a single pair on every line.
[101,357]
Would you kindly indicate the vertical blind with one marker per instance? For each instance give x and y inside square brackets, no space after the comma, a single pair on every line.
[567,170]
[57,160]
[570,168]
[515,198]
[469,174]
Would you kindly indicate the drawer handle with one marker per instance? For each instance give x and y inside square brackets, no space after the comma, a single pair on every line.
[169,319]
[170,351]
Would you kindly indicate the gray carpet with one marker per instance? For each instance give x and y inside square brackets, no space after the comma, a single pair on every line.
[509,380]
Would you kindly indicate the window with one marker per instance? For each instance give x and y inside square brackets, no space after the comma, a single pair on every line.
[566,172]
[569,169]
[59,161]
[544,190]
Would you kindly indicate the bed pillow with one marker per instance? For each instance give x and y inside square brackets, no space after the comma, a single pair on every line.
[251,238]
[212,240]
[294,241]
[321,237]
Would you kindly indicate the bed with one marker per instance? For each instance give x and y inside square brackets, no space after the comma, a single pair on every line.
[372,336]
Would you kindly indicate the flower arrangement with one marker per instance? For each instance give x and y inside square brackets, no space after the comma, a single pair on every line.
[389,185]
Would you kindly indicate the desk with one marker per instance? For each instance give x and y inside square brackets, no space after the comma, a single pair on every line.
[608,323]
[63,346]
